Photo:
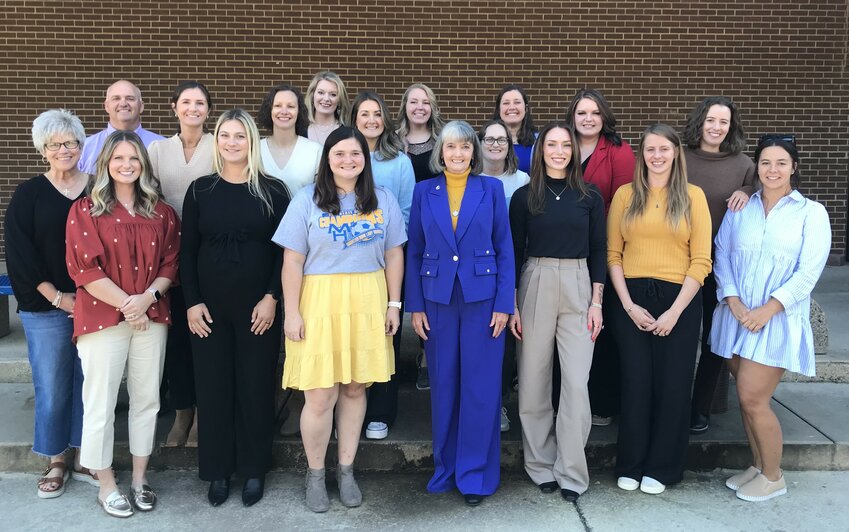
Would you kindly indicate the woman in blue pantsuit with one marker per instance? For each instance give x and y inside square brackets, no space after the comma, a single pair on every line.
[459,289]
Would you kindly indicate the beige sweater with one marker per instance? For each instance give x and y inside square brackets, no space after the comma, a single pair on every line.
[174,173]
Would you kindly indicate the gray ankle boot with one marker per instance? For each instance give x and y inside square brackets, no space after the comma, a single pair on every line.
[349,491]
[317,499]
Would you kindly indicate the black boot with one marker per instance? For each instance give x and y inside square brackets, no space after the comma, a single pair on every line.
[253,490]
[219,490]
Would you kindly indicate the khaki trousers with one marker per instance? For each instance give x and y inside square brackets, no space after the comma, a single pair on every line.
[104,355]
[554,296]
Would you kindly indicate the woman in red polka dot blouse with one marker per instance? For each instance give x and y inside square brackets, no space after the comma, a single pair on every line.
[122,247]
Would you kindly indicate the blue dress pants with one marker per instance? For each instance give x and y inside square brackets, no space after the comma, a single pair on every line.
[464,364]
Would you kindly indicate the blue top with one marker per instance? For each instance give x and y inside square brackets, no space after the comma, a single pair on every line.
[94,144]
[780,255]
[397,176]
[524,155]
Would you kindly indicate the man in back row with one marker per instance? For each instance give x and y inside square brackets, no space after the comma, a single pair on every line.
[124,105]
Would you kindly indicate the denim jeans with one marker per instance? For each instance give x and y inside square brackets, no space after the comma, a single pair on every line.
[58,380]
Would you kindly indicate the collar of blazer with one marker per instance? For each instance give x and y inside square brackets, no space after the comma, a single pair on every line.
[438,199]
[598,157]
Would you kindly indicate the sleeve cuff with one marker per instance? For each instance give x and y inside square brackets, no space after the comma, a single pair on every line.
[728,290]
[88,276]
[784,297]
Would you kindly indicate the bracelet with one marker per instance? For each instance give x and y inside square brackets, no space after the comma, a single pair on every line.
[596,305]
[58,299]
[629,309]
[394,304]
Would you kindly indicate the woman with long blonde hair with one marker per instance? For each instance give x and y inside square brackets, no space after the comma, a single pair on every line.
[658,254]
[230,272]
[327,105]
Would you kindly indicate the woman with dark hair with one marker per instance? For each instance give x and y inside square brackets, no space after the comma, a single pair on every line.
[769,256]
[327,105]
[342,271]
[122,248]
[35,258]
[500,161]
[715,140]
[558,303]
[392,170]
[513,107]
[230,272]
[459,288]
[287,154]
[419,125]
[658,253]
[608,163]
[177,162]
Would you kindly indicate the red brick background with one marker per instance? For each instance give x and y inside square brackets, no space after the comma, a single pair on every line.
[785,63]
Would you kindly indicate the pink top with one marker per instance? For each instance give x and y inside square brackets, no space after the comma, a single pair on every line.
[132,251]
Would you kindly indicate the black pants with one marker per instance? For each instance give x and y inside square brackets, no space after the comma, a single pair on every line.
[604,374]
[382,403]
[235,378]
[508,365]
[179,377]
[710,365]
[656,379]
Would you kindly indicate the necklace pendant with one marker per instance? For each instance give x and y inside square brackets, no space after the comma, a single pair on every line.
[557,198]
[455,213]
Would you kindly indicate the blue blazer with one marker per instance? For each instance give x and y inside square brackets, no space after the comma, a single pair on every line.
[479,253]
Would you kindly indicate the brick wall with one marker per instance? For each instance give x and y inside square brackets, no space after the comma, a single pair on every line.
[784,63]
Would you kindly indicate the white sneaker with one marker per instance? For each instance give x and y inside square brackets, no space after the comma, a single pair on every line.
[601,421]
[505,421]
[651,486]
[377,430]
[627,483]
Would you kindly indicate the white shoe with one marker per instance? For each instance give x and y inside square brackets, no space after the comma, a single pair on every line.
[601,421]
[627,483]
[505,421]
[377,430]
[651,486]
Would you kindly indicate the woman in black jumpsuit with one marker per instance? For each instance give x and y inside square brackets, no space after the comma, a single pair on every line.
[231,279]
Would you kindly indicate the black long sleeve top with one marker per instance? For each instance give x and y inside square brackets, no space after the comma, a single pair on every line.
[572,227]
[35,242]
[226,249]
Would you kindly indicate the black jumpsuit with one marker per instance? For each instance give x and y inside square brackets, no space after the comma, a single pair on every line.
[229,262]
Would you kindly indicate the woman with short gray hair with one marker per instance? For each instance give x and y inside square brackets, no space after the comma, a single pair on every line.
[35,258]
[459,289]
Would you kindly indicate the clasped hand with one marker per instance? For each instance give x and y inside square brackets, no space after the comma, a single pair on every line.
[660,326]
[134,308]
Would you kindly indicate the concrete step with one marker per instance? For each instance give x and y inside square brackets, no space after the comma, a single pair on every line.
[814,419]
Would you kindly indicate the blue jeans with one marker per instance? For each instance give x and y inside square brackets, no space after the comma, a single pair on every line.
[58,380]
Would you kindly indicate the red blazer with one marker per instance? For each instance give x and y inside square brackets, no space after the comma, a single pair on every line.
[609,168]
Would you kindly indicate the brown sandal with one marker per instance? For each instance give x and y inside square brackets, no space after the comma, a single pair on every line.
[86,475]
[43,492]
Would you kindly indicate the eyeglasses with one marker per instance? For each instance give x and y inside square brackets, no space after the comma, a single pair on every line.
[69,144]
[785,138]
[501,141]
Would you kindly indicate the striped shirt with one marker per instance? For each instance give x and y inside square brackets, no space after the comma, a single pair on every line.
[779,256]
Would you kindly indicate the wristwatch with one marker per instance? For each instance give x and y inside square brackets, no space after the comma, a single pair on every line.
[396,304]
[155,293]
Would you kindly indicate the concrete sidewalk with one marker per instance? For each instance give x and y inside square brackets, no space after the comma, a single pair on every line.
[815,501]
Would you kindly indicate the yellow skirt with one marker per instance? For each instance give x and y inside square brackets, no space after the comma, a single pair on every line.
[344,332]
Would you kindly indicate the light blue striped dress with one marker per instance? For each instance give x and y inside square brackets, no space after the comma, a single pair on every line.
[782,256]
